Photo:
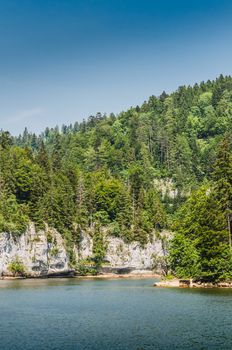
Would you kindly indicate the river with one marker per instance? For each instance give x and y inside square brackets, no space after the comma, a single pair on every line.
[121,314]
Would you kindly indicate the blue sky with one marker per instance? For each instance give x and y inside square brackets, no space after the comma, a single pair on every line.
[62,60]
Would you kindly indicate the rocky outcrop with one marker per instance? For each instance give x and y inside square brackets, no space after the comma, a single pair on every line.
[40,253]
[121,256]
[166,187]
[43,253]
[133,255]
[173,283]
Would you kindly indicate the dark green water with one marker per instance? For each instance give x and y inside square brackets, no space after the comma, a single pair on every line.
[112,314]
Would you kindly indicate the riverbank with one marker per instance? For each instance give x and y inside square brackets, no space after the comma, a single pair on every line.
[180,283]
[131,275]
[122,276]
[173,283]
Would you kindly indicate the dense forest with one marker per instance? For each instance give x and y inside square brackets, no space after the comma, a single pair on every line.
[166,164]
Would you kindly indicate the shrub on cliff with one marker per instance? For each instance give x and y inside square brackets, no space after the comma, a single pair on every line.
[17,268]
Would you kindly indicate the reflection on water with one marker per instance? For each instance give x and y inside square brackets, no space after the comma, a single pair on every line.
[36,283]
[112,314]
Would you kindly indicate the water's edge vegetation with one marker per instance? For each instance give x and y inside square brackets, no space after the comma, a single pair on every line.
[165,165]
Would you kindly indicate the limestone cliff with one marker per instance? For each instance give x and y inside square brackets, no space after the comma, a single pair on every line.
[124,255]
[43,253]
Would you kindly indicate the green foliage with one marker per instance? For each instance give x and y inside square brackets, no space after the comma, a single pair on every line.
[99,247]
[111,172]
[202,245]
[222,175]
[13,217]
[184,257]
[86,267]
[54,251]
[17,268]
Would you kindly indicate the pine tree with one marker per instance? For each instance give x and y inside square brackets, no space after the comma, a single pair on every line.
[222,175]
[42,157]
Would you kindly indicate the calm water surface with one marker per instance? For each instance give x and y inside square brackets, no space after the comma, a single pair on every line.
[112,314]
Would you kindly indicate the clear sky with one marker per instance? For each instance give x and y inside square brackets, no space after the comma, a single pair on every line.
[62,60]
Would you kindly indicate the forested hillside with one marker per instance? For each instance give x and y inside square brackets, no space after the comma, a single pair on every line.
[165,164]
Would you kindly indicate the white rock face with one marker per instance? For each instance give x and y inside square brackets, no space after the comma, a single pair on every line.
[133,255]
[32,249]
[43,253]
[166,187]
[123,255]
[86,247]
